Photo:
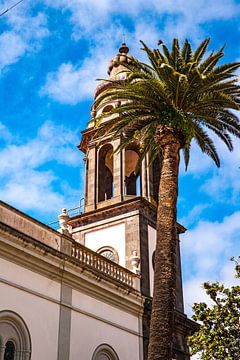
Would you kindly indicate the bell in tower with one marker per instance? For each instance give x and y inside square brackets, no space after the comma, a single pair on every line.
[121,196]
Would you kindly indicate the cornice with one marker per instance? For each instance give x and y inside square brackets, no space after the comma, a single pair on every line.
[35,256]
[137,203]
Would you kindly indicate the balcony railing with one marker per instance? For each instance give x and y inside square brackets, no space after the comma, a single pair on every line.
[36,231]
[103,265]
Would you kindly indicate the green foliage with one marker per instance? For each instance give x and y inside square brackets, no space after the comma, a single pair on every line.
[218,337]
[181,90]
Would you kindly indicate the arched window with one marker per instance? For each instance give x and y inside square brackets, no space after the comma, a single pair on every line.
[107,108]
[132,173]
[104,352]
[105,173]
[14,337]
[109,252]
[9,352]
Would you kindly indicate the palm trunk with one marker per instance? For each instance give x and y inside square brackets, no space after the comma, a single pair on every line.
[162,318]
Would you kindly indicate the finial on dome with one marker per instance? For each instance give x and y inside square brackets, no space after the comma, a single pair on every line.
[124,49]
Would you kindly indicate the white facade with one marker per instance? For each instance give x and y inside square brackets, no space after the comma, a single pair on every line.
[69,310]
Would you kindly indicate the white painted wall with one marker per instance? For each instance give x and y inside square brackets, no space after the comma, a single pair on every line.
[101,310]
[113,236]
[88,334]
[93,322]
[40,315]
[151,247]
[29,279]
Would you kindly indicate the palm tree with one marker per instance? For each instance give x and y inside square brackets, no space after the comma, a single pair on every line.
[181,96]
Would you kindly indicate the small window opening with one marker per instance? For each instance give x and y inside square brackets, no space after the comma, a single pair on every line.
[107,108]
[132,173]
[105,173]
[9,351]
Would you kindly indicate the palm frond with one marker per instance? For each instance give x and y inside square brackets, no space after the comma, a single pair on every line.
[206,144]
[201,50]
[187,52]
[186,154]
[185,91]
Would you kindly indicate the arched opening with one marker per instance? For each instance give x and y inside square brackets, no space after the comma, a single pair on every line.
[9,352]
[104,352]
[132,173]
[15,337]
[109,252]
[107,108]
[105,173]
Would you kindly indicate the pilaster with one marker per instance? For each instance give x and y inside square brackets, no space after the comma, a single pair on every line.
[91,176]
[117,169]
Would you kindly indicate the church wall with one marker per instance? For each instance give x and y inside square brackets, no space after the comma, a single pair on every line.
[104,312]
[68,311]
[28,279]
[91,333]
[29,295]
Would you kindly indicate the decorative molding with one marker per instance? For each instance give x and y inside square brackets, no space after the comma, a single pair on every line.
[49,263]
[71,307]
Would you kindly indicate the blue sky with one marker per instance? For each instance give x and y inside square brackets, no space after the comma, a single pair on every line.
[52,51]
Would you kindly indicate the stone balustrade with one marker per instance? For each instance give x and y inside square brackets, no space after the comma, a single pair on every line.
[36,231]
[103,265]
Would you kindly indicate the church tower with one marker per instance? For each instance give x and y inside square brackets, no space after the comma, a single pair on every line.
[119,220]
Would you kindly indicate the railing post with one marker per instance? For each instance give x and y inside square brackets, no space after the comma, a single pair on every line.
[66,245]
[136,283]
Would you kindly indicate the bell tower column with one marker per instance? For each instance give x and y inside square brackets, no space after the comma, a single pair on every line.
[91,176]
[117,173]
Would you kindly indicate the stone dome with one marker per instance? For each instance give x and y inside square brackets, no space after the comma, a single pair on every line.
[121,59]
[117,68]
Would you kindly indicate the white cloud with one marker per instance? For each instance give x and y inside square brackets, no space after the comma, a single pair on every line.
[210,240]
[51,143]
[199,162]
[31,189]
[101,23]
[182,21]
[5,134]
[25,33]
[194,215]
[27,180]
[72,83]
[206,250]
[87,16]
[92,18]
[221,184]
[69,84]
[11,48]
[224,183]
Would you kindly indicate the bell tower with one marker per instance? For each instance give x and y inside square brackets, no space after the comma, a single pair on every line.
[112,177]
[119,220]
